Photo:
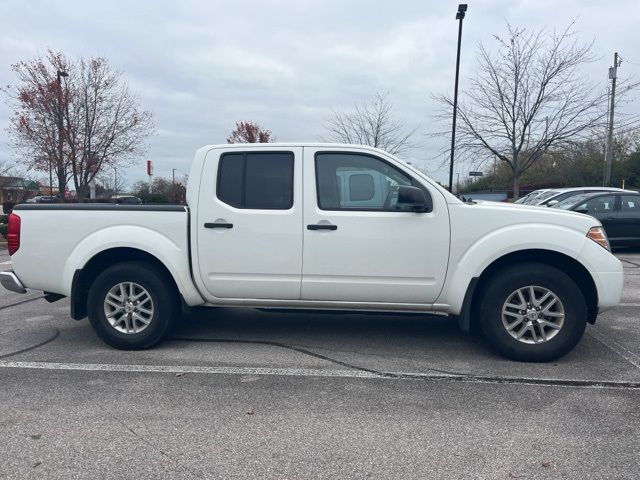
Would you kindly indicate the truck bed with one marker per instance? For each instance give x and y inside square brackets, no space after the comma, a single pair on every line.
[57,238]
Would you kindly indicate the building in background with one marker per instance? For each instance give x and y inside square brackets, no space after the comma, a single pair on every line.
[17,189]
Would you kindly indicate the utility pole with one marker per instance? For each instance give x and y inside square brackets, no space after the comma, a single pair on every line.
[173,185]
[613,73]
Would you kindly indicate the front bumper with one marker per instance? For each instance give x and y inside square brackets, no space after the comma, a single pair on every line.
[607,273]
[609,286]
[9,281]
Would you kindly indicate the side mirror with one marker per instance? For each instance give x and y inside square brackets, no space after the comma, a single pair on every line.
[582,210]
[552,203]
[413,198]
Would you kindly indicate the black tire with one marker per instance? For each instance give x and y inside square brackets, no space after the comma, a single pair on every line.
[497,289]
[164,297]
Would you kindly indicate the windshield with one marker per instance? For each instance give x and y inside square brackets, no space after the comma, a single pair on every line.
[529,198]
[543,196]
[524,199]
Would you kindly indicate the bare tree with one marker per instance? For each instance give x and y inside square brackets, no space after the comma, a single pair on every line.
[526,99]
[250,132]
[370,124]
[91,110]
[105,126]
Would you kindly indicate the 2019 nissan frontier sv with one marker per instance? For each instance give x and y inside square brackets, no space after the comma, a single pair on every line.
[319,226]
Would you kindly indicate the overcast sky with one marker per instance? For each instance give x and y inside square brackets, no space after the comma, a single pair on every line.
[201,65]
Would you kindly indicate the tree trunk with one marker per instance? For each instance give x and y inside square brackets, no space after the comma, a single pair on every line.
[82,193]
[516,187]
[62,184]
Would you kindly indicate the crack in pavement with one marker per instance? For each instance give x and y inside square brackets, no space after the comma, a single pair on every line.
[614,346]
[637,265]
[56,332]
[4,307]
[157,449]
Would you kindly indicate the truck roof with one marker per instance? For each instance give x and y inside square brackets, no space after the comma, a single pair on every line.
[245,146]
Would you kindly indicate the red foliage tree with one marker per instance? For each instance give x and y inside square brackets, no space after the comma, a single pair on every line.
[40,102]
[75,117]
[250,132]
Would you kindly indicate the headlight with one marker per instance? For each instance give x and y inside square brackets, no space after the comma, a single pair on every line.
[598,235]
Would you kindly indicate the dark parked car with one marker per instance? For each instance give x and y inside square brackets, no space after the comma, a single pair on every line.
[618,212]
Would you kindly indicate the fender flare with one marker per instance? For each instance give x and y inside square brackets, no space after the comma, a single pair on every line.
[152,242]
[483,252]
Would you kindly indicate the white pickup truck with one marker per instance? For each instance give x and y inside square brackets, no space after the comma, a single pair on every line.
[319,226]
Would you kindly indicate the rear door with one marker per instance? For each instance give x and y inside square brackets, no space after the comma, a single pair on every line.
[358,247]
[250,224]
[629,218]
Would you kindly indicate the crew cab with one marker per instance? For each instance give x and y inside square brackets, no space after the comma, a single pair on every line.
[319,226]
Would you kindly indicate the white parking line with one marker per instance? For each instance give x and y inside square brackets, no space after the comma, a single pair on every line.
[110,367]
[629,304]
[5,263]
[309,372]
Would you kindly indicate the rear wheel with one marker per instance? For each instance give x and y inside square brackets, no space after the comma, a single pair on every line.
[132,305]
[532,312]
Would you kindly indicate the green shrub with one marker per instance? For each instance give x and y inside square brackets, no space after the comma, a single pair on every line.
[4,219]
[3,230]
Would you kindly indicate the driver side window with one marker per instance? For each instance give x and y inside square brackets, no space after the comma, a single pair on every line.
[347,181]
[599,204]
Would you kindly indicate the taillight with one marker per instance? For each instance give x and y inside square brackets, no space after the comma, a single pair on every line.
[13,233]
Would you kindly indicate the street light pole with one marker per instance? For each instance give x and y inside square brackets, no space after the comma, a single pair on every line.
[462,8]
[59,76]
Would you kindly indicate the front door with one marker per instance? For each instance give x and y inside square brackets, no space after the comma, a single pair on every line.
[358,245]
[604,209]
[250,224]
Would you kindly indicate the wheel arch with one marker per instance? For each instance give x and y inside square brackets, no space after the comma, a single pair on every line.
[83,278]
[569,265]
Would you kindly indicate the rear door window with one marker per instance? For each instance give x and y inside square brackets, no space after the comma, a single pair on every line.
[256,180]
[630,203]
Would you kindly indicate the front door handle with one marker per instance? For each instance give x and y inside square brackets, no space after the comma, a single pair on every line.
[218,225]
[322,226]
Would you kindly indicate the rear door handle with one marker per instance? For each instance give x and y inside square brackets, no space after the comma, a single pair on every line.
[218,225]
[322,226]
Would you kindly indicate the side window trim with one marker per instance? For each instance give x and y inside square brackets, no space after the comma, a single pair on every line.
[243,195]
[414,183]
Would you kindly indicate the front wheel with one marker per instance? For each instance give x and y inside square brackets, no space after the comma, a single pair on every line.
[532,312]
[132,305]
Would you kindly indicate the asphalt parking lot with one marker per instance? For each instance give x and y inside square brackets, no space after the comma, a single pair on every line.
[248,394]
